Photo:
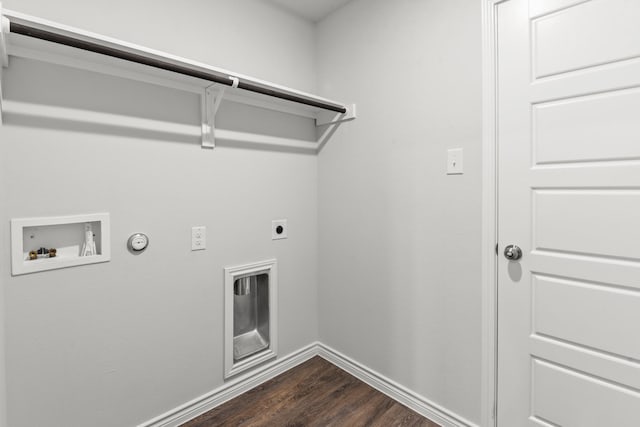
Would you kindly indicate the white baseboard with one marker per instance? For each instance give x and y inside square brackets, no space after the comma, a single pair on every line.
[231,389]
[228,391]
[394,390]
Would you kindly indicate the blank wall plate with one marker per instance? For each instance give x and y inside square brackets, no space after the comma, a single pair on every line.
[279,229]
[455,161]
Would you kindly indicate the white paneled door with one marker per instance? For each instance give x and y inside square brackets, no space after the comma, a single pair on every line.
[569,197]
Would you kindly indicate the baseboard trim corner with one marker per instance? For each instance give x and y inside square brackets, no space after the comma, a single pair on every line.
[198,406]
[190,410]
[394,390]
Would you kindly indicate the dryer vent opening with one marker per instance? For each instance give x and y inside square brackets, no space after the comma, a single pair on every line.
[250,316]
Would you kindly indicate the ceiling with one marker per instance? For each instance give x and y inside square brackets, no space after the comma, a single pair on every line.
[313,10]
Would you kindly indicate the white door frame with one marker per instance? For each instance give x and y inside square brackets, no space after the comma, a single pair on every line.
[489,214]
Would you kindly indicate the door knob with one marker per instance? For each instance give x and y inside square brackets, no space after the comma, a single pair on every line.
[512,253]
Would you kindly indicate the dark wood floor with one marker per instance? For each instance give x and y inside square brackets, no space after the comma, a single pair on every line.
[315,393]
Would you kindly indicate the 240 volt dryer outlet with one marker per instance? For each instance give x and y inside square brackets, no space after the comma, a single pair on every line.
[279,229]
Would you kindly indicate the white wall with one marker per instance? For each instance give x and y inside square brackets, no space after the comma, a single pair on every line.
[399,283]
[122,342]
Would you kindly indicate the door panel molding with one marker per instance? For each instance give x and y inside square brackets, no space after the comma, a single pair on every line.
[561,121]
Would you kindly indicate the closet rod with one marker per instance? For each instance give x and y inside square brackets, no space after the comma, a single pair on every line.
[211,76]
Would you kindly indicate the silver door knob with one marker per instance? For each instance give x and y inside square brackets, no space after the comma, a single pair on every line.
[512,253]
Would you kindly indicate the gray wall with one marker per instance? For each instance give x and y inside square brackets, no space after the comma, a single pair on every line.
[122,342]
[399,283]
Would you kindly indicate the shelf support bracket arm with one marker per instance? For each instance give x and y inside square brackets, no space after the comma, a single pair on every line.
[211,99]
[207,108]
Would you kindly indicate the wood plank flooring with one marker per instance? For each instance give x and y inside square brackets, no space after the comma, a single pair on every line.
[315,393]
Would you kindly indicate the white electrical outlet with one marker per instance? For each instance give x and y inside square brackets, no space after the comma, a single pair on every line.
[198,238]
[279,229]
[454,161]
